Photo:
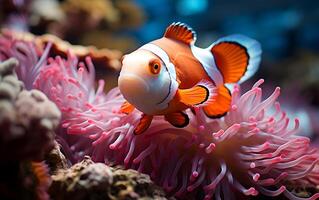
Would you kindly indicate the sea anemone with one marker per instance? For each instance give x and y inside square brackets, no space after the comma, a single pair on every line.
[73,82]
[249,151]
[30,56]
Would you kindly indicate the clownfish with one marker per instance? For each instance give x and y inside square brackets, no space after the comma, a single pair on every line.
[171,74]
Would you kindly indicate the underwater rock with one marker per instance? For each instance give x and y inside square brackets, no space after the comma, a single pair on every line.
[94,10]
[102,13]
[12,42]
[97,23]
[82,181]
[89,180]
[44,12]
[55,159]
[24,180]
[130,184]
[27,118]
[42,180]
[102,58]
[14,14]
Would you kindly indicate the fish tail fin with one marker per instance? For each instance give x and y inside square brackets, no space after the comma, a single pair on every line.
[237,57]
[221,105]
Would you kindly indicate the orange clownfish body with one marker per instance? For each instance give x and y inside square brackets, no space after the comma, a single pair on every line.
[171,74]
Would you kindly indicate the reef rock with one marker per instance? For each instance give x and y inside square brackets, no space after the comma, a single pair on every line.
[27,118]
[89,180]
[56,160]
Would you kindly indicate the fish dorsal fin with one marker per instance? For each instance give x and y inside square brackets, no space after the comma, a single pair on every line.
[181,32]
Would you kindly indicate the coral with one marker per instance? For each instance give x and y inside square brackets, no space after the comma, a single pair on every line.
[81,180]
[126,181]
[43,180]
[114,14]
[14,14]
[89,180]
[27,123]
[55,159]
[102,58]
[32,52]
[95,9]
[44,12]
[132,16]
[27,118]
[24,180]
[97,23]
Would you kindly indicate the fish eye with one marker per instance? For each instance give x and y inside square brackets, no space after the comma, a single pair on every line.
[155,66]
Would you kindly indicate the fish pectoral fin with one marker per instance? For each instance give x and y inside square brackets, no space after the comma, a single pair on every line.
[143,125]
[200,95]
[127,108]
[237,57]
[178,119]
[221,106]
[181,32]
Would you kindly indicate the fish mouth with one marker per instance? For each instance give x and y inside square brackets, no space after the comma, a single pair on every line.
[133,77]
[132,85]
[168,93]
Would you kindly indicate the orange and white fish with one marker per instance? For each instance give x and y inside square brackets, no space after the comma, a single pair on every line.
[171,74]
